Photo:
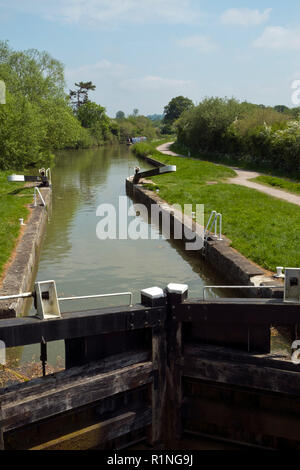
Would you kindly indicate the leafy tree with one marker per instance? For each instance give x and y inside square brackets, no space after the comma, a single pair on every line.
[120,115]
[281,108]
[90,112]
[63,129]
[252,133]
[135,112]
[202,127]
[93,117]
[135,126]
[175,108]
[37,117]
[295,112]
[36,75]
[22,133]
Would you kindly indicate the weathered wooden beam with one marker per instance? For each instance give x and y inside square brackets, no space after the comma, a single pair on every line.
[253,338]
[243,422]
[96,435]
[238,312]
[25,390]
[242,374]
[173,406]
[1,430]
[30,330]
[158,392]
[71,392]
[221,353]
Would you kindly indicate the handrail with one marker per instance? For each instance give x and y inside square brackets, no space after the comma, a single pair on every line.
[36,190]
[83,297]
[213,221]
[239,287]
[26,295]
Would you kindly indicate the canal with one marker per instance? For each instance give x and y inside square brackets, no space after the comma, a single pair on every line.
[80,263]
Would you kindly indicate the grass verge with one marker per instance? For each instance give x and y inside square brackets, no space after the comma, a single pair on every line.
[278,183]
[235,161]
[262,228]
[13,206]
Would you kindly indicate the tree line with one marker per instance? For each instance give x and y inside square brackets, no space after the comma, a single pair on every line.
[39,117]
[264,136]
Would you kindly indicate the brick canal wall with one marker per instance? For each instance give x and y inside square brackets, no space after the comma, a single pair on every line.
[20,274]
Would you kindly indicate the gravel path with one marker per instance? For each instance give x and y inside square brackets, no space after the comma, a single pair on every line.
[242,178]
[165,148]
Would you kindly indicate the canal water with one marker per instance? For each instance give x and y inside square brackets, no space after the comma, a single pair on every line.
[81,263]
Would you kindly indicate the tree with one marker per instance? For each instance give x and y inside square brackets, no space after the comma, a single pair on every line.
[120,115]
[175,108]
[203,127]
[34,74]
[93,117]
[89,113]
[135,112]
[80,96]
[281,108]
[37,117]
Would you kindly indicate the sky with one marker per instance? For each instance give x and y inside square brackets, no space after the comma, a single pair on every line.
[142,53]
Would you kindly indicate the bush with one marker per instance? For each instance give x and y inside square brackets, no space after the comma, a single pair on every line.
[259,135]
[22,133]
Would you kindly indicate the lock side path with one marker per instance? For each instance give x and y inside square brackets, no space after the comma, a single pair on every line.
[243,178]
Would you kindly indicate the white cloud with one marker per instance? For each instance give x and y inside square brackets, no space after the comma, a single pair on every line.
[203,44]
[245,16]
[101,70]
[153,83]
[279,38]
[111,12]
[116,89]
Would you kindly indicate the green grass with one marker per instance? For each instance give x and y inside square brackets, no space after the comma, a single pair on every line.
[278,183]
[235,161]
[13,200]
[264,229]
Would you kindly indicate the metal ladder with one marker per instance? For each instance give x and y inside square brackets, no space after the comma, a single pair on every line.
[213,220]
[212,224]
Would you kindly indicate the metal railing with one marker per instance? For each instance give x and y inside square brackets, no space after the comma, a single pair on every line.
[24,295]
[205,288]
[27,295]
[37,191]
[97,296]
[212,223]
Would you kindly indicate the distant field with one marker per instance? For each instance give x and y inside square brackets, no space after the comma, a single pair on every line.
[13,200]
[264,229]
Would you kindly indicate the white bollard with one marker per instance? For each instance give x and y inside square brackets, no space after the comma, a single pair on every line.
[279,274]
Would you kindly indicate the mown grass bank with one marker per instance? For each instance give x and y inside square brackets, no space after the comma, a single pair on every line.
[278,183]
[236,161]
[264,229]
[14,198]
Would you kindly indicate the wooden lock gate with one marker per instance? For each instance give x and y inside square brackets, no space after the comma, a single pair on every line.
[155,372]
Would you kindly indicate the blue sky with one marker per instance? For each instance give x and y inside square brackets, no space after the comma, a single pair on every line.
[142,53]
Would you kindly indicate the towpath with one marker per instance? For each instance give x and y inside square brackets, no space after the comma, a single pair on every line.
[243,178]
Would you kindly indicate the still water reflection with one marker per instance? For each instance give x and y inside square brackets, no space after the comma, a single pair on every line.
[80,263]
